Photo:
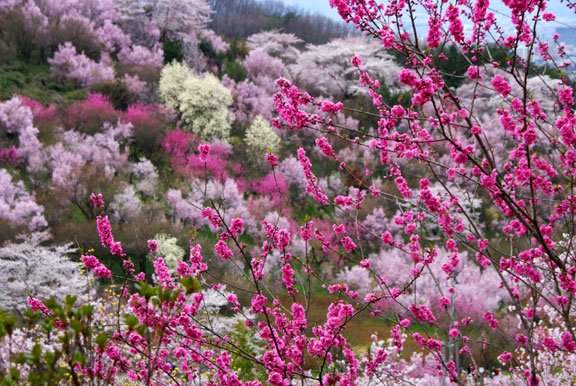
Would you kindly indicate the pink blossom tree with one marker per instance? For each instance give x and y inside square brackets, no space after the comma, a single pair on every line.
[17,206]
[153,21]
[17,118]
[67,63]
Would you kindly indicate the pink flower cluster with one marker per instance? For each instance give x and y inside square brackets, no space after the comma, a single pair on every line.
[92,262]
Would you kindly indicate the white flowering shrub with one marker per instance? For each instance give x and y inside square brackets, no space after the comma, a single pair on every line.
[204,107]
[260,137]
[29,268]
[201,102]
[172,77]
[169,250]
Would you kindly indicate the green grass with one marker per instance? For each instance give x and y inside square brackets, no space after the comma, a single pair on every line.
[35,81]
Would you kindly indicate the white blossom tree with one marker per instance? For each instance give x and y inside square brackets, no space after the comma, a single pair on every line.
[260,138]
[276,43]
[204,106]
[30,268]
[201,102]
[326,69]
[169,250]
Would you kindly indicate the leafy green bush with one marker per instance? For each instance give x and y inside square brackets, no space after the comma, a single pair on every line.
[235,71]
[117,93]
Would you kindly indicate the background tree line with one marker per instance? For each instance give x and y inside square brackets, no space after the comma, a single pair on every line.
[239,19]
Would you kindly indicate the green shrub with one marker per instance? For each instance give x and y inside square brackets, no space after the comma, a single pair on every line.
[235,71]
[116,92]
[172,51]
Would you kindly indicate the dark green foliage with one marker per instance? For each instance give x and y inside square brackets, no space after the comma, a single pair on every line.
[454,66]
[147,139]
[172,51]
[227,62]
[21,41]
[238,50]
[18,77]
[207,49]
[116,92]
[77,33]
[235,71]
[394,98]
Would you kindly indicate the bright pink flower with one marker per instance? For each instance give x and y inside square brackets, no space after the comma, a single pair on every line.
[403,187]
[222,250]
[568,343]
[348,244]
[97,200]
[312,186]
[101,271]
[365,264]
[474,72]
[203,150]
[339,229]
[505,357]
[356,61]
[566,96]
[272,159]
[407,77]
[236,226]
[501,86]
[325,146]
[153,246]
[37,304]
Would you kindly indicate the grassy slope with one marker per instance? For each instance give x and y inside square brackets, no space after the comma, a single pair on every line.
[34,81]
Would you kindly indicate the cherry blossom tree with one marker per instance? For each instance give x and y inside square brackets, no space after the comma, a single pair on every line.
[30,268]
[67,63]
[16,118]
[17,206]
[276,44]
[161,20]
[326,69]
[250,100]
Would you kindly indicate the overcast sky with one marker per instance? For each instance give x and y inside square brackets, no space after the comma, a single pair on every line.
[321,6]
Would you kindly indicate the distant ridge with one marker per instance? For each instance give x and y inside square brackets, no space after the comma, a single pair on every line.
[242,18]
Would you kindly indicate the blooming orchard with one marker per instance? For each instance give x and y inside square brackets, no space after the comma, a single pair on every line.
[433,204]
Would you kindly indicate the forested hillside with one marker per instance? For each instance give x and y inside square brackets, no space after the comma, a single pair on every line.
[238,19]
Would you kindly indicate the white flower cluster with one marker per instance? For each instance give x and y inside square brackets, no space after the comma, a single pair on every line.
[201,102]
[169,250]
[260,138]
[30,268]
